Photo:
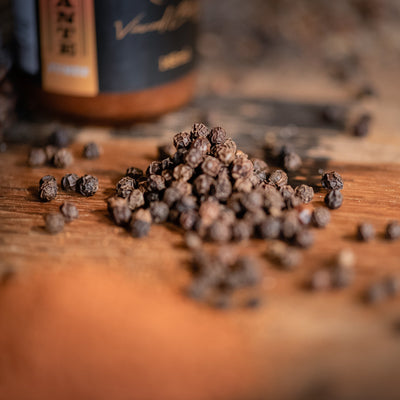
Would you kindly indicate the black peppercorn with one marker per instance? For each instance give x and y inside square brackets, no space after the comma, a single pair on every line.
[154,168]
[68,182]
[334,199]
[241,168]
[59,138]
[125,186]
[140,223]
[155,183]
[87,185]
[47,188]
[305,193]
[217,135]
[69,211]
[202,144]
[182,140]
[183,172]
[332,181]
[392,230]
[159,211]
[321,217]
[200,130]
[63,158]
[119,210]
[202,184]
[171,196]
[37,157]
[134,172]
[188,219]
[91,151]
[194,157]
[135,199]
[269,228]
[54,222]
[291,161]
[365,232]
[304,238]
[211,166]
[278,178]
[241,230]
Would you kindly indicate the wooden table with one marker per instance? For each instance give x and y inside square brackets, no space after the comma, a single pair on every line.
[94,313]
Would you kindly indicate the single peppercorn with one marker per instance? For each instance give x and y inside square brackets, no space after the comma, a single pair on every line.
[211,166]
[278,178]
[159,211]
[135,199]
[69,211]
[125,186]
[182,140]
[154,168]
[200,130]
[47,188]
[305,193]
[140,223]
[241,230]
[202,184]
[392,230]
[119,210]
[334,199]
[332,181]
[217,135]
[269,228]
[54,223]
[134,172]
[365,232]
[63,158]
[202,144]
[241,168]
[321,217]
[291,161]
[188,219]
[304,238]
[37,157]
[194,158]
[87,185]
[59,138]
[91,151]
[68,182]
[219,232]
[155,183]
[183,172]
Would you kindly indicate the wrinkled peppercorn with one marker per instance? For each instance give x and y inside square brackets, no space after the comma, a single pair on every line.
[211,166]
[155,183]
[194,158]
[54,223]
[217,135]
[305,193]
[202,144]
[125,186]
[171,196]
[37,157]
[47,188]
[278,178]
[135,199]
[63,158]
[91,151]
[392,231]
[365,232]
[332,181]
[334,199]
[134,172]
[183,172]
[87,185]
[200,130]
[68,182]
[69,211]
[321,217]
[182,140]
[154,168]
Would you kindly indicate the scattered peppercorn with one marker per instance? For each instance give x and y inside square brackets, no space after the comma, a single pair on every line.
[91,151]
[278,178]
[321,217]
[393,230]
[37,157]
[54,222]
[68,182]
[63,158]
[365,232]
[87,185]
[125,186]
[47,188]
[69,211]
[334,199]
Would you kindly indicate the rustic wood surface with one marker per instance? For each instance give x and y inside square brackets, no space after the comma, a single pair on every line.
[297,345]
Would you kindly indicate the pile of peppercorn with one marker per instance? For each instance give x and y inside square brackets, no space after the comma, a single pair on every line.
[216,193]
